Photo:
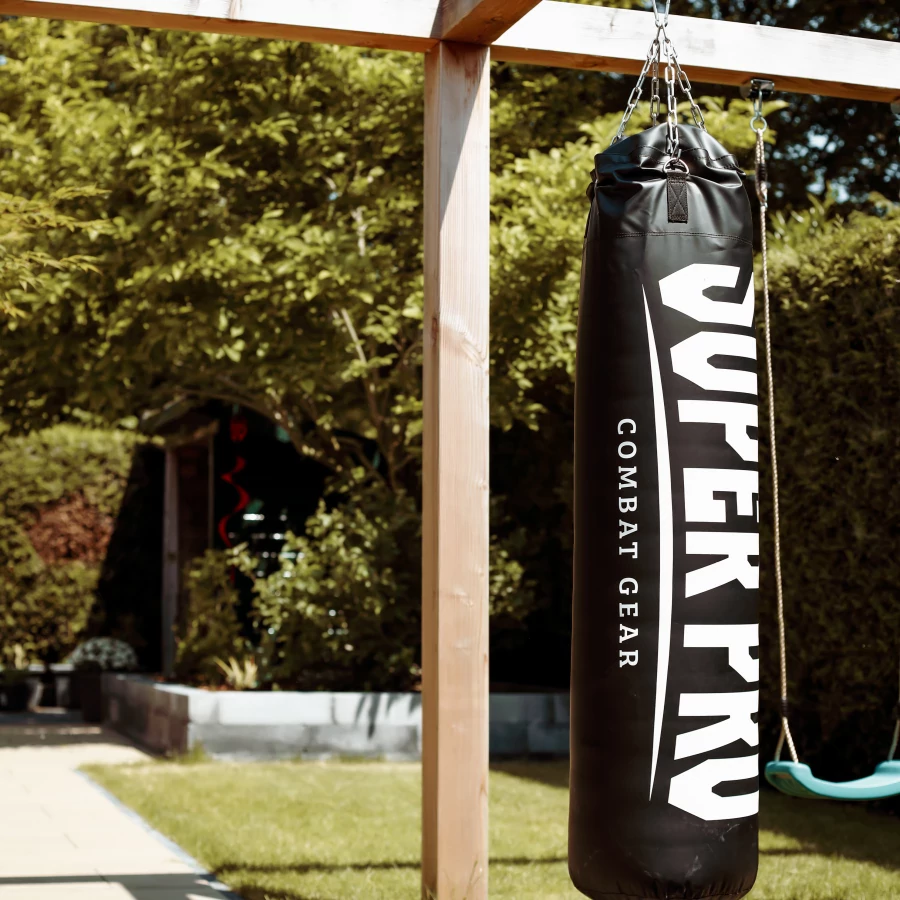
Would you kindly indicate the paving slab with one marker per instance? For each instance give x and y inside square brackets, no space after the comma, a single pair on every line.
[64,838]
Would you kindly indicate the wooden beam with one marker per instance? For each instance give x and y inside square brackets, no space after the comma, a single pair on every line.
[616,40]
[382,24]
[481,21]
[554,33]
[455,532]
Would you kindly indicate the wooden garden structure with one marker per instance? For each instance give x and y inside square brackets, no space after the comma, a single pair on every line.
[459,38]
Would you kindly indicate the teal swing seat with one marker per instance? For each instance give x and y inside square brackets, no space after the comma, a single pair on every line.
[797,780]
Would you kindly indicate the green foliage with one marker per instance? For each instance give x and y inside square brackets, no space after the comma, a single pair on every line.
[836,354]
[44,467]
[337,613]
[211,629]
[262,245]
[43,608]
[342,609]
[296,194]
[15,666]
[240,674]
[59,491]
[25,265]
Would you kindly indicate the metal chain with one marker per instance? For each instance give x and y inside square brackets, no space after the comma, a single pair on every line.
[672,74]
[759,125]
[672,147]
[635,95]
[661,20]
[685,84]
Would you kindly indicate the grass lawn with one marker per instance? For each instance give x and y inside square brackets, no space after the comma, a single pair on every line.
[350,831]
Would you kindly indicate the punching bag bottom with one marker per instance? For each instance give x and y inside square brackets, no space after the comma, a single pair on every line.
[662,894]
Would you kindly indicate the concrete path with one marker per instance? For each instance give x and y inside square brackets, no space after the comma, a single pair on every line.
[61,838]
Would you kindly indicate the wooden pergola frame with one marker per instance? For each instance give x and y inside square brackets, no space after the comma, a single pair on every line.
[458,38]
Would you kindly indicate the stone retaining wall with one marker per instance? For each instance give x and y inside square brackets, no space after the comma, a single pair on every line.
[284,724]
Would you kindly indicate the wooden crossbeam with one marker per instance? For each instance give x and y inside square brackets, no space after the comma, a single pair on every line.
[553,33]
[382,24]
[616,40]
[481,21]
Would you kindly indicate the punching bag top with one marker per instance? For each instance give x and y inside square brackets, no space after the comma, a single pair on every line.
[640,189]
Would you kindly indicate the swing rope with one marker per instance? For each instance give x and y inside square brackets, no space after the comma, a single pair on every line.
[759,125]
[896,739]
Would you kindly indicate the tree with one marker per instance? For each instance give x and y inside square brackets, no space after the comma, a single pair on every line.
[263,246]
[27,227]
[257,228]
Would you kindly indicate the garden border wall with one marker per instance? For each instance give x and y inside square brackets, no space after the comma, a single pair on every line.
[171,719]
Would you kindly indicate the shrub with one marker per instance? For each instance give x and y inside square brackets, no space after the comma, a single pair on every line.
[836,351]
[43,608]
[343,610]
[211,629]
[240,674]
[108,654]
[60,491]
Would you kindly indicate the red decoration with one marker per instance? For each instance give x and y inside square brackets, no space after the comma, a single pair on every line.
[243,499]
[238,429]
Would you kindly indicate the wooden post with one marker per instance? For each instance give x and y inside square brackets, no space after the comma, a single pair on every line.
[170,573]
[455,474]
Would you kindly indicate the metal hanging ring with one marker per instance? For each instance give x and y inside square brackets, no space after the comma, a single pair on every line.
[758,123]
[661,20]
[676,162]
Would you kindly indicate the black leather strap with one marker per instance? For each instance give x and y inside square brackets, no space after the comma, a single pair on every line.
[676,192]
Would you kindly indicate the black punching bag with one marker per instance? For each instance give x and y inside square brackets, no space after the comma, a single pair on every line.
[665,671]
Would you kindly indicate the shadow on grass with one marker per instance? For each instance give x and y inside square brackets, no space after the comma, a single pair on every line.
[245,873]
[553,773]
[827,828]
[839,830]
[227,869]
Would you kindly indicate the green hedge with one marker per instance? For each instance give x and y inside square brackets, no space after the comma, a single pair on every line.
[836,351]
[61,490]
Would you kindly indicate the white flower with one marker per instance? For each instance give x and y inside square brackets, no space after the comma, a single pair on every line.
[108,653]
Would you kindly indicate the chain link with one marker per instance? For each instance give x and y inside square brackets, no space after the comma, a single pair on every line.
[685,84]
[635,95]
[673,75]
[672,147]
